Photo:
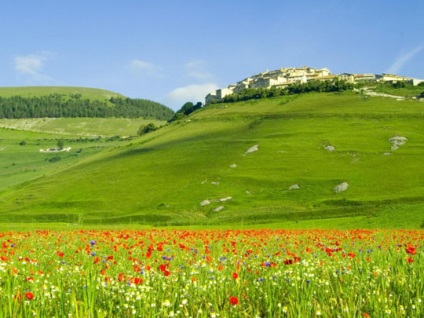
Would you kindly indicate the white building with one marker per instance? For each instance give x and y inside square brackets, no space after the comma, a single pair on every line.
[292,75]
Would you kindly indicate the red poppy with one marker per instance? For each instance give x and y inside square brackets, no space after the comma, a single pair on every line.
[136,268]
[235,275]
[60,254]
[411,250]
[29,295]
[234,300]
[121,277]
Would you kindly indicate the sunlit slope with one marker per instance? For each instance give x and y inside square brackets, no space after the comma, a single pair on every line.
[200,170]
[36,91]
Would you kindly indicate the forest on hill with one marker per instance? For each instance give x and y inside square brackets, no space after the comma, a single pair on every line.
[74,105]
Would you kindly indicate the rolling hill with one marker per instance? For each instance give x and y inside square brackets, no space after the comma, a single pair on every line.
[75,102]
[271,161]
[37,91]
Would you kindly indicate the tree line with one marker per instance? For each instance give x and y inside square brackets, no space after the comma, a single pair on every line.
[72,106]
[310,86]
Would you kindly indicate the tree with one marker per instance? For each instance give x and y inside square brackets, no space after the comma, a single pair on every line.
[60,144]
[186,110]
[144,129]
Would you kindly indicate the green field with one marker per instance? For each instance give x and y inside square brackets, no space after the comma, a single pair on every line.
[197,172]
[80,127]
[36,91]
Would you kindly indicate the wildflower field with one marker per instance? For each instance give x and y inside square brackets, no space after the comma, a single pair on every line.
[212,273]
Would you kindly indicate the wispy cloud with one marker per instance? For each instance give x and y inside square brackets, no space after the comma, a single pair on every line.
[197,69]
[145,68]
[397,66]
[32,65]
[191,93]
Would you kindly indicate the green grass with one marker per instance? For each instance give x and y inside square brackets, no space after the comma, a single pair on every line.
[77,127]
[407,91]
[35,91]
[162,177]
[22,139]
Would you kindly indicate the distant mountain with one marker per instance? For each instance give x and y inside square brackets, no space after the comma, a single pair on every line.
[70,102]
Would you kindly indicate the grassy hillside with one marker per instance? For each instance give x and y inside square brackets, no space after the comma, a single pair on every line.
[86,127]
[36,91]
[200,170]
[22,139]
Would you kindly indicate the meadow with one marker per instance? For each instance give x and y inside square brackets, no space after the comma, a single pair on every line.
[22,139]
[198,172]
[212,273]
[230,212]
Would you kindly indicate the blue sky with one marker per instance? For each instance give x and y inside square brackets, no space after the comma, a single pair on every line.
[174,51]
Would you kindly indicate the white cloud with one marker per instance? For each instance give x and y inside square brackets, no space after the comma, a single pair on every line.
[32,65]
[397,66]
[197,69]
[191,93]
[145,68]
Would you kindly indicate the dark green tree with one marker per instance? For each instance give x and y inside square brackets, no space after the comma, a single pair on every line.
[186,110]
[144,129]
[60,144]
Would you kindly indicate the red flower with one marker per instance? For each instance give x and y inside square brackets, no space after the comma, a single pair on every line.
[29,295]
[235,275]
[60,254]
[234,300]
[121,277]
[136,268]
[137,280]
[411,250]
[410,260]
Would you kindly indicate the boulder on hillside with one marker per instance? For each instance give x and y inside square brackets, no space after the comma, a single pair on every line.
[397,141]
[219,208]
[341,187]
[252,149]
[205,202]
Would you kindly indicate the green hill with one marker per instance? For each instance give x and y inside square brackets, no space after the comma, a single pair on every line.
[275,161]
[75,102]
[37,91]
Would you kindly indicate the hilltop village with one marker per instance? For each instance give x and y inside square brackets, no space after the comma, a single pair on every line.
[292,75]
